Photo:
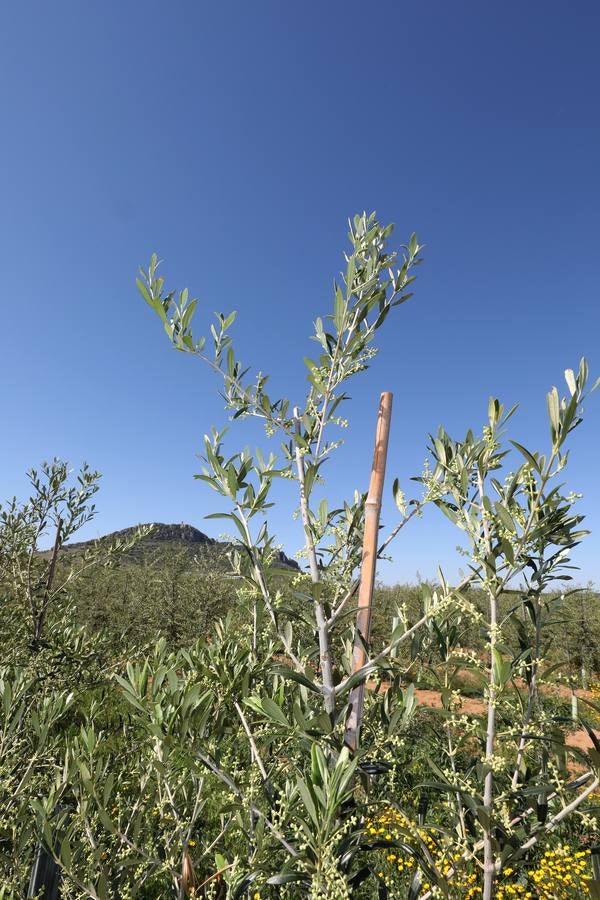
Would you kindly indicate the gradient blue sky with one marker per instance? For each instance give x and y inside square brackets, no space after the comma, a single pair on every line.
[235,139]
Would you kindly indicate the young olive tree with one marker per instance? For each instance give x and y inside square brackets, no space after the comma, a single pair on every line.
[58,507]
[55,510]
[373,284]
[522,526]
[52,672]
[375,281]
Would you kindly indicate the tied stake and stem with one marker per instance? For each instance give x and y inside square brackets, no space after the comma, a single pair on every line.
[368,569]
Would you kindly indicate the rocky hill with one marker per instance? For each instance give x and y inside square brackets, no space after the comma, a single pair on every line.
[165,538]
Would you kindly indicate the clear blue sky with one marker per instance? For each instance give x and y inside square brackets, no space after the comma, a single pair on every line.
[235,139]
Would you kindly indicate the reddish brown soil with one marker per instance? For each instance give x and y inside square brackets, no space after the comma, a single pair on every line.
[581,740]
[474,706]
[469,705]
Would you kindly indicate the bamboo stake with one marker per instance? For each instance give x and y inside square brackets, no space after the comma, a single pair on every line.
[368,569]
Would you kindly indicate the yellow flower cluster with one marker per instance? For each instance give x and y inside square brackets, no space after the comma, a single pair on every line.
[469,887]
[401,864]
[561,874]
[392,825]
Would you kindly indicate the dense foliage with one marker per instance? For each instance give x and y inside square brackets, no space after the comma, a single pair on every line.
[169,729]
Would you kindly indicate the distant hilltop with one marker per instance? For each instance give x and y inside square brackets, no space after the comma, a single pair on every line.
[185,534]
[182,536]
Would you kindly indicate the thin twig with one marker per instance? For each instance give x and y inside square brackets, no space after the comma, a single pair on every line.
[565,811]
[326,664]
[225,779]
[41,613]
[489,869]
[251,741]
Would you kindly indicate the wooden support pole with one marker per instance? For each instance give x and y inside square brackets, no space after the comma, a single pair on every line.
[368,569]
